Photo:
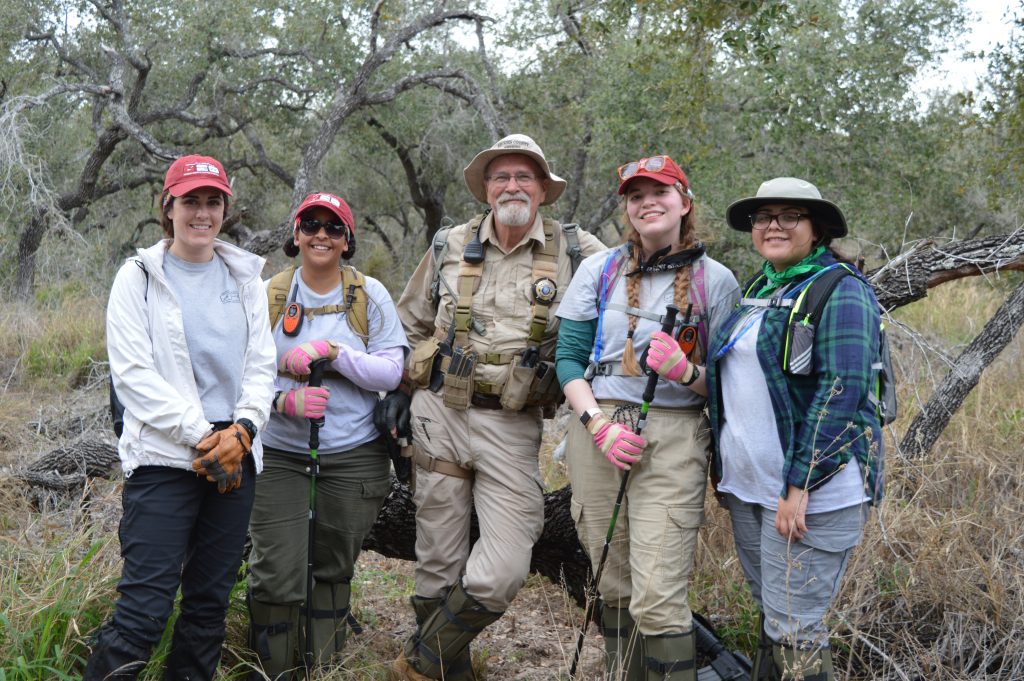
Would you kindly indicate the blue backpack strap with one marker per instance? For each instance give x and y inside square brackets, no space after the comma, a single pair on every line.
[610,273]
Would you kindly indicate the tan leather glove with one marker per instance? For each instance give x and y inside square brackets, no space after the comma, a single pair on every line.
[222,455]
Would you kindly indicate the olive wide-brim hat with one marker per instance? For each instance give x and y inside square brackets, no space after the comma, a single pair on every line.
[825,214]
[513,144]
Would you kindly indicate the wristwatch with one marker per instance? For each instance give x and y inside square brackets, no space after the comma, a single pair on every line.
[249,426]
[589,414]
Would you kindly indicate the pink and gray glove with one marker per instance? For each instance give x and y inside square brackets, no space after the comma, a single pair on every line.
[305,402]
[621,446]
[668,359]
[297,360]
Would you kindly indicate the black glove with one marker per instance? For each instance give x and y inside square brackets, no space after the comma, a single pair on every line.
[393,416]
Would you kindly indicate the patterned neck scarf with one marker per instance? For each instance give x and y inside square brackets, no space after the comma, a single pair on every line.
[661,261]
[777,279]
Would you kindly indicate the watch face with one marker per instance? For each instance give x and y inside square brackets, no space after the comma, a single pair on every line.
[544,291]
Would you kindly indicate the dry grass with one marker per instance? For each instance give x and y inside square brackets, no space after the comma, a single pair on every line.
[933,592]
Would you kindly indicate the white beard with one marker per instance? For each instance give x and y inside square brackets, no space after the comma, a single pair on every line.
[514,214]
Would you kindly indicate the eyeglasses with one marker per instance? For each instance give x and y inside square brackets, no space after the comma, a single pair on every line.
[653,164]
[311,227]
[785,220]
[522,179]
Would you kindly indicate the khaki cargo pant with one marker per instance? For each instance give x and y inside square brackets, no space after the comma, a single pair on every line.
[650,558]
[500,447]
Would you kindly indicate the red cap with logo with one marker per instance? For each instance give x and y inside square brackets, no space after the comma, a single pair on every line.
[192,172]
[333,203]
[661,169]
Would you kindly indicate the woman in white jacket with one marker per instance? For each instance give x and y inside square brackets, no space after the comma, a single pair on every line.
[193,362]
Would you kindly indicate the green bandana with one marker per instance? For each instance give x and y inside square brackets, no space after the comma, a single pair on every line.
[777,279]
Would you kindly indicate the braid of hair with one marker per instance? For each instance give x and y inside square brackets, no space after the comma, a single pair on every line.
[630,365]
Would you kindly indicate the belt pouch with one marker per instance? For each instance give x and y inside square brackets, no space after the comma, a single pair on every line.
[422,361]
[545,389]
[458,388]
[516,390]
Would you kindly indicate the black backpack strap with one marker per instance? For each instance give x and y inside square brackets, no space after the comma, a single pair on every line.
[818,292]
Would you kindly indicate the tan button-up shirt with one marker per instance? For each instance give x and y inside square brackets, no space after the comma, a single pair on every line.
[503,300]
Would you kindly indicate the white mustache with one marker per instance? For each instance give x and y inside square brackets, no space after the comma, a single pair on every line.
[518,196]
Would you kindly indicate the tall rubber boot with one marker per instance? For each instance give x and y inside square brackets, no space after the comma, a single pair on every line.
[443,637]
[274,636]
[763,668]
[459,669]
[195,652]
[622,645]
[330,621]
[670,657]
[115,658]
[803,665]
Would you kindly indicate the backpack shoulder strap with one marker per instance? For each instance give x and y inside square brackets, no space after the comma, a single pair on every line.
[573,249]
[811,301]
[277,293]
[439,247]
[356,301]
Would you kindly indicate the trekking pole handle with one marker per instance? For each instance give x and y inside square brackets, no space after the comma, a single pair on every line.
[668,324]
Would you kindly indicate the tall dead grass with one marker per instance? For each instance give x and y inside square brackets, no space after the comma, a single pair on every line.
[934,591]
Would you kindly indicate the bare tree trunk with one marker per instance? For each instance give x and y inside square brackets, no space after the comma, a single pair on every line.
[963,376]
[28,245]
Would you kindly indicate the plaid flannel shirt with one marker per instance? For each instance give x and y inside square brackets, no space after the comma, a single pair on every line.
[825,418]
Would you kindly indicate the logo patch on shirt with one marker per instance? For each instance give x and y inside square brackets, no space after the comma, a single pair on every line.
[227,297]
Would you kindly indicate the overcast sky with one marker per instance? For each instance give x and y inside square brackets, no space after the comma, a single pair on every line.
[989,23]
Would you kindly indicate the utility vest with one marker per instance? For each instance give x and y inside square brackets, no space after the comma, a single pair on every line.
[447,361]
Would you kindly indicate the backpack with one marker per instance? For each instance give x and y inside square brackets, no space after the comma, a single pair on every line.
[116,408]
[804,317]
[353,283]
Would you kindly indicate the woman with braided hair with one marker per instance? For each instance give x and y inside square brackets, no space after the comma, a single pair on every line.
[611,315]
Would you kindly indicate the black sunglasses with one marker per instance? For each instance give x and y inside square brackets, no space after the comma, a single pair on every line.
[311,227]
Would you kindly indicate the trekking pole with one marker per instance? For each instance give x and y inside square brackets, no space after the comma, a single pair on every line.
[667,326]
[316,379]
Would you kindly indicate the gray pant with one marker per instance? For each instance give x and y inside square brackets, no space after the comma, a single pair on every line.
[349,492]
[795,582]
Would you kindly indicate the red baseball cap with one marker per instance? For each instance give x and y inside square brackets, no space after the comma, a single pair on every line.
[333,203]
[193,172]
[658,168]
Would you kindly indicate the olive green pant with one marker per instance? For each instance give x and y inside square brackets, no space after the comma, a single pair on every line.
[350,489]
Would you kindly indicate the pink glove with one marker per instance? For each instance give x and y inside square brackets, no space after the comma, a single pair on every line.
[621,446]
[668,359]
[304,403]
[297,360]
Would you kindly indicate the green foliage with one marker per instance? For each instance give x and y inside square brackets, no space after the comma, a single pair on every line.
[49,597]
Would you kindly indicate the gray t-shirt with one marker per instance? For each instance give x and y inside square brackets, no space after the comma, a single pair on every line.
[216,330]
[656,292]
[348,422]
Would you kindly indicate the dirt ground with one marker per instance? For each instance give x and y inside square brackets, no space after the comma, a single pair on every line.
[533,641]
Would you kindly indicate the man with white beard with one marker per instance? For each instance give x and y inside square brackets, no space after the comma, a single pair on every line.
[483,373]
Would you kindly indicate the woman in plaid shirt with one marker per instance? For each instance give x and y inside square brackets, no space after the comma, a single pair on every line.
[797,458]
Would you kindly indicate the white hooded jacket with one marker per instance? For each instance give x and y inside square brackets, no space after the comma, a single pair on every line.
[152,370]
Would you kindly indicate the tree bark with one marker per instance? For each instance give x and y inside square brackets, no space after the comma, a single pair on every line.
[965,373]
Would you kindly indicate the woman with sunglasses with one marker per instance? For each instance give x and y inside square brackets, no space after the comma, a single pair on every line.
[616,301]
[335,314]
[798,445]
[192,360]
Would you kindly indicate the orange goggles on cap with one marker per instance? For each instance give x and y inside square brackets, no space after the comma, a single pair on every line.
[654,164]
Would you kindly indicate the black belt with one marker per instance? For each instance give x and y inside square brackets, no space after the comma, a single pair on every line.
[485,401]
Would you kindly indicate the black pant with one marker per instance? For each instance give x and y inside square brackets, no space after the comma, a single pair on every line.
[176,530]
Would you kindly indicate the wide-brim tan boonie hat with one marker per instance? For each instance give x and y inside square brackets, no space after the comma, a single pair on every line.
[825,214]
[513,144]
